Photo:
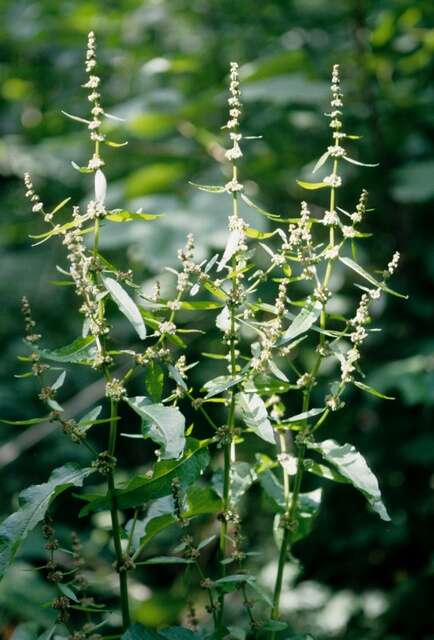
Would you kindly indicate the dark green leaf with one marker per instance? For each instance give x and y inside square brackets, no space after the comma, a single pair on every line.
[154,378]
[143,488]
[78,351]
[34,502]
[373,392]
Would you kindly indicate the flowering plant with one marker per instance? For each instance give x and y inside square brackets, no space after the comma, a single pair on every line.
[267,293]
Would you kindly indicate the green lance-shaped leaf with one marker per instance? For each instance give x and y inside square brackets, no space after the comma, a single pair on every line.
[352,465]
[218,385]
[232,245]
[119,215]
[34,502]
[78,351]
[255,416]
[161,514]
[143,488]
[154,379]
[210,188]
[367,276]
[305,415]
[126,305]
[164,425]
[24,423]
[312,185]
[373,392]
[302,322]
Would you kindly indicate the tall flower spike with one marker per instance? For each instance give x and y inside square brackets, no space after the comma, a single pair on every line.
[233,122]
[94,98]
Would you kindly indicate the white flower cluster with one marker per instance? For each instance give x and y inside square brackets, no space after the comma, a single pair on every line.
[274,330]
[234,113]
[300,234]
[360,211]
[334,181]
[167,328]
[37,205]
[81,272]
[114,390]
[330,218]
[393,264]
[94,98]
[185,255]
[358,335]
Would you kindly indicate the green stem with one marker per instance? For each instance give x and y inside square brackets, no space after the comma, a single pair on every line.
[229,453]
[123,582]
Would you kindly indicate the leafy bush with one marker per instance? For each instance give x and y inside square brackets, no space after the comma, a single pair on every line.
[257,421]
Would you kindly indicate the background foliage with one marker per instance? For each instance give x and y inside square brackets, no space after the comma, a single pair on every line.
[165,64]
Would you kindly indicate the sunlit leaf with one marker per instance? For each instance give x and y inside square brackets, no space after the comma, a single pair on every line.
[126,305]
[352,465]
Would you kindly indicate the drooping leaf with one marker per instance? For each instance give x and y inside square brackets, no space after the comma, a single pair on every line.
[34,502]
[255,415]
[352,465]
[232,245]
[373,392]
[143,487]
[305,415]
[258,235]
[126,305]
[78,351]
[175,374]
[302,322]
[24,423]
[210,188]
[358,163]
[367,276]
[59,381]
[321,161]
[312,185]
[154,379]
[119,215]
[164,425]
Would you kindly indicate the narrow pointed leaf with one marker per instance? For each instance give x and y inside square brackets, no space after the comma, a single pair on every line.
[77,351]
[359,164]
[312,185]
[352,465]
[126,305]
[358,269]
[143,488]
[210,188]
[301,323]
[321,161]
[373,392]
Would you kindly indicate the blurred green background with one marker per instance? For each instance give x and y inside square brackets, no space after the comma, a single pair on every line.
[164,67]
